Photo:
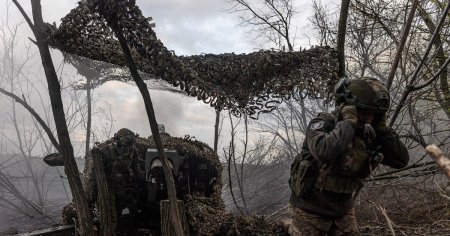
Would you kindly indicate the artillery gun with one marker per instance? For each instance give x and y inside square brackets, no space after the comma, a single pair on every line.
[197,174]
[196,171]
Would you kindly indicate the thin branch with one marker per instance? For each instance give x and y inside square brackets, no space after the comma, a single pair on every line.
[405,33]
[409,87]
[430,43]
[24,14]
[434,77]
[388,220]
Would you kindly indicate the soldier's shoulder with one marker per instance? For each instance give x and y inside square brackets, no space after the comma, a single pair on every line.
[103,148]
[323,122]
[329,117]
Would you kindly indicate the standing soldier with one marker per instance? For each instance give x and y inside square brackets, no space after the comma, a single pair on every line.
[340,150]
[121,168]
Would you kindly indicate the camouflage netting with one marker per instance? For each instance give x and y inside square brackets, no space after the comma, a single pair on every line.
[245,83]
[205,216]
[96,73]
[208,218]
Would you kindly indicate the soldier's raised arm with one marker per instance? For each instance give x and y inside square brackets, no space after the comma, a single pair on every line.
[326,140]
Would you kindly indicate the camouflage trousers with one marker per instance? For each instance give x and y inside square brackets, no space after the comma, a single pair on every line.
[309,224]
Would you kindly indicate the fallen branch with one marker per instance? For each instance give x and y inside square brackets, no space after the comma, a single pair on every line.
[388,220]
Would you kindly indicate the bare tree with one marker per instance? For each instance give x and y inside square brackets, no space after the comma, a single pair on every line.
[71,169]
[256,180]
[231,158]
[26,138]
[442,95]
[323,24]
[269,18]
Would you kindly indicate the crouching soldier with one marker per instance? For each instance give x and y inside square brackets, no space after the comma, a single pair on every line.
[340,150]
[119,161]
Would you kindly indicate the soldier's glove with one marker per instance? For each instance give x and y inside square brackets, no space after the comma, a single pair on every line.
[350,113]
[379,123]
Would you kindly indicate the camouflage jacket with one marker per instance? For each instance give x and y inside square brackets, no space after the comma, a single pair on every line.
[121,170]
[326,144]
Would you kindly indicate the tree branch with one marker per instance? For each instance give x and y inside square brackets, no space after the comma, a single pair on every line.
[25,16]
[35,115]
[409,87]
[405,33]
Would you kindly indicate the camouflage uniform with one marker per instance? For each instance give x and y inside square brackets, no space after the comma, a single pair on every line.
[337,155]
[305,223]
[120,162]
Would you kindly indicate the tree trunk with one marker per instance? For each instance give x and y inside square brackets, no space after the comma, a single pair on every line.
[176,216]
[405,33]
[105,199]
[216,130]
[167,228]
[54,88]
[89,115]
[231,158]
[342,28]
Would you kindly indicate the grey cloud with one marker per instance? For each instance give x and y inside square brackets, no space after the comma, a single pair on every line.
[194,27]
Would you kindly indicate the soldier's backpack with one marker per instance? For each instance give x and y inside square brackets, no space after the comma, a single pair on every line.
[303,176]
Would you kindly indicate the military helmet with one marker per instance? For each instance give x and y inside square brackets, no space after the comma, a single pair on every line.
[124,137]
[364,93]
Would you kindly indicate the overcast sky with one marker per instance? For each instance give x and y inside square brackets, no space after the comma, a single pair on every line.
[186,26]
